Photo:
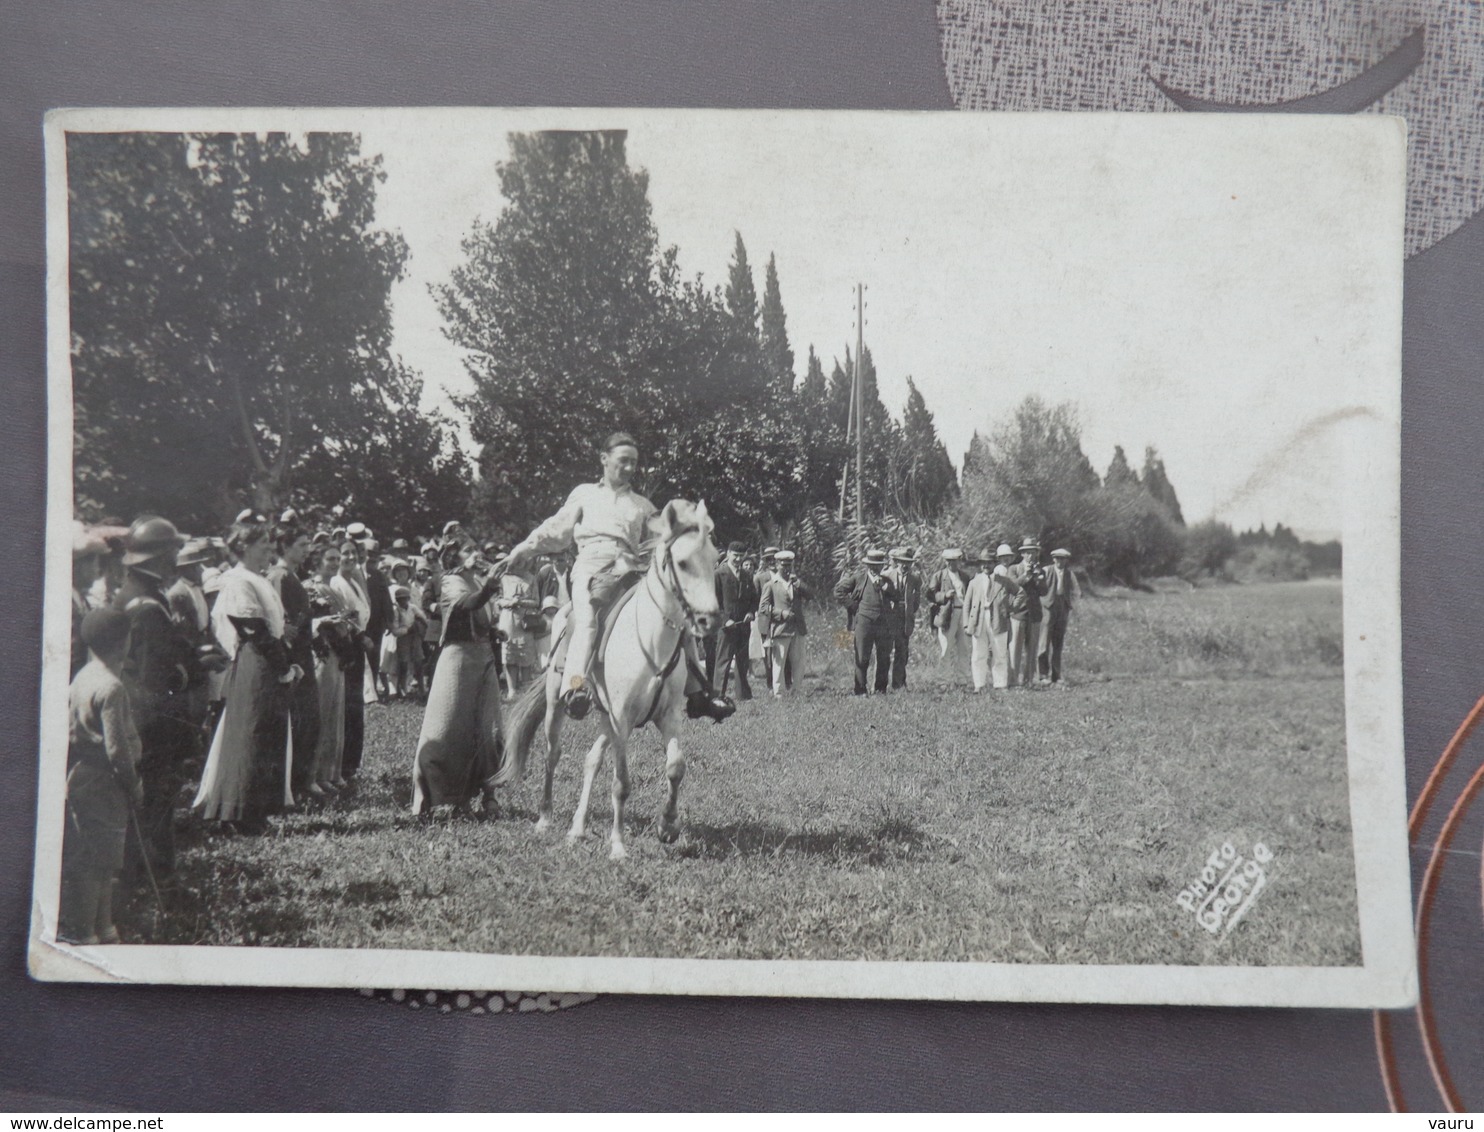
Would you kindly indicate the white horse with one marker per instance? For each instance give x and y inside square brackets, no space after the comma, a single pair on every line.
[638,678]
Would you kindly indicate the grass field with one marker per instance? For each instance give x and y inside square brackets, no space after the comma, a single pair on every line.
[1028,826]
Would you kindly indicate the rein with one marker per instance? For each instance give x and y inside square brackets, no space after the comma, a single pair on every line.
[673,588]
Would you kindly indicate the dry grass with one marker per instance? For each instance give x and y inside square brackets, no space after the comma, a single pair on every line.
[1029,826]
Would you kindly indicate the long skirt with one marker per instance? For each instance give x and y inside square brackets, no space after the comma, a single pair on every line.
[304,718]
[330,683]
[459,745]
[246,776]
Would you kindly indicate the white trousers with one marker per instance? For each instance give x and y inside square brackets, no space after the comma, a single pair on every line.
[583,625]
[785,650]
[979,658]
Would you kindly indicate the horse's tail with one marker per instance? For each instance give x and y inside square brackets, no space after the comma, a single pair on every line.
[521,725]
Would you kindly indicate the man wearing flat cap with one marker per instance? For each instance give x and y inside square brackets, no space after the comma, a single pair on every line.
[908,581]
[870,598]
[1026,613]
[737,595]
[1061,593]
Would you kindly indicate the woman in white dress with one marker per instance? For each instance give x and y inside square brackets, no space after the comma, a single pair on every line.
[247,770]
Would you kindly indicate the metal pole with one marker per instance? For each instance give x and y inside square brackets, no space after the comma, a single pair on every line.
[849,432]
[860,407]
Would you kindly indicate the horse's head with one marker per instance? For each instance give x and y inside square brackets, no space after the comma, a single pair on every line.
[686,558]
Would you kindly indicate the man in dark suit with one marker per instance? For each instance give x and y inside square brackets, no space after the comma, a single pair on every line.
[738,597]
[870,598]
[908,581]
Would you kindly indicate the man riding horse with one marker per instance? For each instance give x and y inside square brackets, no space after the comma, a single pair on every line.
[607,522]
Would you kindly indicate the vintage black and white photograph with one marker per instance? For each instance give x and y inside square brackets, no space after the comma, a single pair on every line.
[802,553]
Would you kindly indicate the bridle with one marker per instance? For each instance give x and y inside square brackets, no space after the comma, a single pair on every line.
[670,581]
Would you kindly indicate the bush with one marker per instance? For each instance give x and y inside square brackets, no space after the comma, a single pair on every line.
[1270,564]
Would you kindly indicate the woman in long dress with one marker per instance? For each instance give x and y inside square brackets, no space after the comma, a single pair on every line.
[246,775]
[458,747]
[334,642]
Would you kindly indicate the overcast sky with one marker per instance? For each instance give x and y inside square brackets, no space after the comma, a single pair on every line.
[1206,284]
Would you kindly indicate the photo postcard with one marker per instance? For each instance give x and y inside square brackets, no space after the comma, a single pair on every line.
[837,554]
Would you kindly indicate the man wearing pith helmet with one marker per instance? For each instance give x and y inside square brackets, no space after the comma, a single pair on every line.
[607,522]
[160,669]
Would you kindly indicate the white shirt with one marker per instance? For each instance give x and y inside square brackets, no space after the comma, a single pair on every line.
[601,521]
[355,599]
[245,594]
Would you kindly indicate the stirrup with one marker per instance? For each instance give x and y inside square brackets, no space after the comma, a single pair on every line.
[577,702]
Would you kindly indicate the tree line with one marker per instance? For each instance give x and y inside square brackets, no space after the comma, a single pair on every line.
[231,345]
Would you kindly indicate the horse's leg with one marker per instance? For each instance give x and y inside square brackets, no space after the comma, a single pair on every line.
[554,717]
[616,851]
[674,773]
[589,772]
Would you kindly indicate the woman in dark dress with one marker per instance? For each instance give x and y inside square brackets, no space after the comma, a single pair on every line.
[246,776]
[458,747]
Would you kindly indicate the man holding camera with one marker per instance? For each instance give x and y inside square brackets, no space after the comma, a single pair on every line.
[1026,612]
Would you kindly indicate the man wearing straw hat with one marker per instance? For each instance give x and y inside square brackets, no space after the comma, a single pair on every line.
[948,588]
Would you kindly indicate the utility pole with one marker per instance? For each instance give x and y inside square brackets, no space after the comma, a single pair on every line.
[860,407]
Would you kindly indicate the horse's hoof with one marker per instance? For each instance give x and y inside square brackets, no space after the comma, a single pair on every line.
[669,834]
[543,824]
[618,853]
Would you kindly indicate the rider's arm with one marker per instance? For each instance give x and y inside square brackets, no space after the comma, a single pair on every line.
[556,533]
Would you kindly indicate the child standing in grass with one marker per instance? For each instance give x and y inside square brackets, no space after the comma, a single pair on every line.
[102,782]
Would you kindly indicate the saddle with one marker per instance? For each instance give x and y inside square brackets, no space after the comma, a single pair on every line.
[614,592]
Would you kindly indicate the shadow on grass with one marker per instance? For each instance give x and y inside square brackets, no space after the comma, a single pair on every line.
[890,837]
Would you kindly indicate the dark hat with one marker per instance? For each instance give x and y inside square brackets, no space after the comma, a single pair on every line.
[105,629]
[735,547]
[875,557]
